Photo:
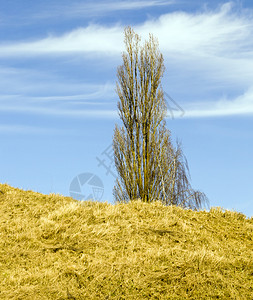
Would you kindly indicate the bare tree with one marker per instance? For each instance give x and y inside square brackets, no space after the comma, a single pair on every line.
[148,165]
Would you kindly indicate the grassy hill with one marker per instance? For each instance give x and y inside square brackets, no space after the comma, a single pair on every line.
[54,247]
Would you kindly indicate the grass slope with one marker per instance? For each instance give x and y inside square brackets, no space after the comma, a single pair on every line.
[54,247]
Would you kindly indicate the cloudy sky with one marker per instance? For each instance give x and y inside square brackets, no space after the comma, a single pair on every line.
[58,106]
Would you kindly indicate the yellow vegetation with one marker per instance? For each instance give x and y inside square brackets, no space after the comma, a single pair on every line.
[54,247]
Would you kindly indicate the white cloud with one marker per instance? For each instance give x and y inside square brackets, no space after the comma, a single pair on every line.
[215,45]
[129,5]
[24,129]
[241,105]
[218,42]
[62,112]
[98,8]
[44,86]
[91,39]
[222,32]
[207,33]
[95,95]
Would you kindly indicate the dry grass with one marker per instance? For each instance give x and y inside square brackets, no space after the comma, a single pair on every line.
[53,247]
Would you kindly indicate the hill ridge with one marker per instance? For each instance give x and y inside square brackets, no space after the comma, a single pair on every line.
[54,246]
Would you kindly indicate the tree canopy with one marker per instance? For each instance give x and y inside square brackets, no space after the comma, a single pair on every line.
[149,166]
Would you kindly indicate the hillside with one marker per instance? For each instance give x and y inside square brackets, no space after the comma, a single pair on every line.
[54,247]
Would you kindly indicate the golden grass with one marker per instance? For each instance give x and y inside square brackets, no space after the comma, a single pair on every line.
[54,247]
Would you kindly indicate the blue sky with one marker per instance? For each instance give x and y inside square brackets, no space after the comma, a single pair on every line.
[58,106]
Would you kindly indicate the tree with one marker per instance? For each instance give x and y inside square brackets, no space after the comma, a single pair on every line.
[148,165]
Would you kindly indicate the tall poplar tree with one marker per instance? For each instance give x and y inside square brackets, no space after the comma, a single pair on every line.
[149,167]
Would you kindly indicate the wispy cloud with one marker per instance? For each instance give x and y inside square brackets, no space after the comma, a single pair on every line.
[43,86]
[215,45]
[241,105]
[25,129]
[222,32]
[99,8]
[218,43]
[91,39]
[61,112]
